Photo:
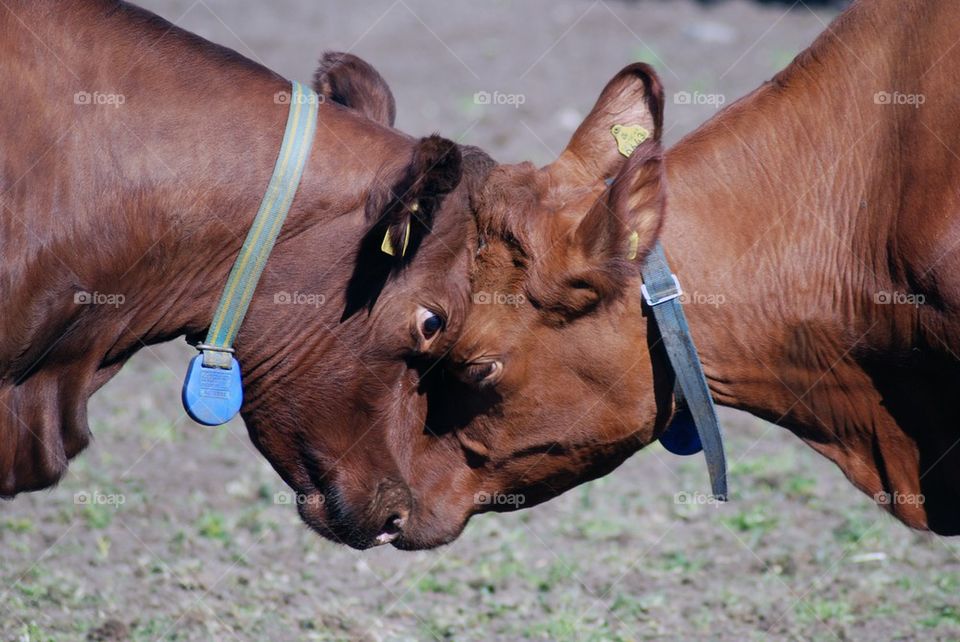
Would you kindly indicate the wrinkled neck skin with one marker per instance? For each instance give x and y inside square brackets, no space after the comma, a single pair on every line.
[798,215]
[119,224]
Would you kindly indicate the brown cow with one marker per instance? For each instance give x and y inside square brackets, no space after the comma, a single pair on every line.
[821,211]
[132,161]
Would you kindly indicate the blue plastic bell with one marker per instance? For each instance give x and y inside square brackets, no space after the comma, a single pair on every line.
[681,436]
[212,396]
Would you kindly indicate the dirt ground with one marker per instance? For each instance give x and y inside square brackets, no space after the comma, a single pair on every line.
[187,542]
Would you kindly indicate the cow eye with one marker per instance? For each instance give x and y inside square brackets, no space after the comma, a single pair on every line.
[482,372]
[429,324]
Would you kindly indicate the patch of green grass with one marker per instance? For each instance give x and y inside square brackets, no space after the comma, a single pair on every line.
[17,525]
[33,592]
[103,547]
[586,496]
[905,583]
[747,467]
[823,610]
[599,528]
[569,624]
[755,522]
[495,573]
[33,633]
[178,542]
[559,572]
[678,561]
[800,486]
[252,520]
[430,583]
[98,515]
[637,608]
[266,493]
[213,525]
[854,530]
[943,615]
[948,583]
[151,630]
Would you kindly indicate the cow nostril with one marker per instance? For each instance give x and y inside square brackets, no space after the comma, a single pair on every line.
[391,530]
[394,525]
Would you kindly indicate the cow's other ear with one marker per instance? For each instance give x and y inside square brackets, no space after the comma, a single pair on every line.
[403,215]
[628,112]
[350,81]
[400,211]
[609,242]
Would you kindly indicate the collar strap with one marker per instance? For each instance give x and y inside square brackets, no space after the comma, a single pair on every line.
[661,292]
[216,352]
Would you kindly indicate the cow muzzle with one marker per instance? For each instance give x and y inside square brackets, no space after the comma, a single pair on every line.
[361,522]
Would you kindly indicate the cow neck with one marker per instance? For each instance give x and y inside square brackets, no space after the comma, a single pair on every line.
[153,231]
[781,214]
[766,227]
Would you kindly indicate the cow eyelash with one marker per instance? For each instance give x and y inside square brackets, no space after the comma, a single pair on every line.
[482,372]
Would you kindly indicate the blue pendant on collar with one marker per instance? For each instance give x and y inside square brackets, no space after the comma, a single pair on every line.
[212,396]
[681,436]
[212,391]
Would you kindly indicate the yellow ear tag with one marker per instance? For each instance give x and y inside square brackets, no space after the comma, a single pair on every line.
[387,246]
[633,245]
[629,137]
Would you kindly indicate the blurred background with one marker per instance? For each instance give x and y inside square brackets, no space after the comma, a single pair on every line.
[199,548]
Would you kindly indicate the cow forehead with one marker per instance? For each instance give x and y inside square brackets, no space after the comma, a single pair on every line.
[534,207]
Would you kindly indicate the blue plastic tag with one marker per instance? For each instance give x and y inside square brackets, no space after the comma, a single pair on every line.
[212,396]
[681,436]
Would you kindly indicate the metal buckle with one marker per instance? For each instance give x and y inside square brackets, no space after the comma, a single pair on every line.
[676,294]
[203,347]
[216,356]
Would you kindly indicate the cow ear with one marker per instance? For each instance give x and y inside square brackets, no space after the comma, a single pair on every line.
[400,212]
[350,81]
[605,249]
[403,215]
[637,202]
[628,112]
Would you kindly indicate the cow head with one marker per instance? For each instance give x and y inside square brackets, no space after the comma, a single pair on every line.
[334,347]
[541,390]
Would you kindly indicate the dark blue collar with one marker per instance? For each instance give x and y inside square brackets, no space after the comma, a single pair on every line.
[695,426]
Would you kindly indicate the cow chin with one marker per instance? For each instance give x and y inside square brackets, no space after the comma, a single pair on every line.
[434,526]
[429,536]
